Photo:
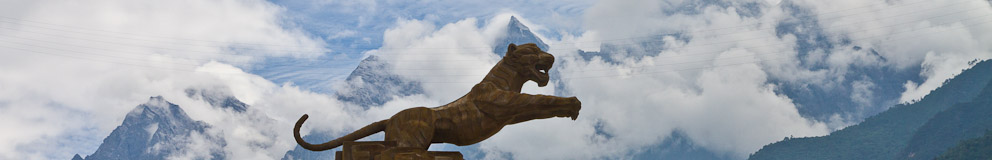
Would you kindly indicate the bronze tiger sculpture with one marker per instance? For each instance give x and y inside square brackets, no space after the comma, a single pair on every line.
[486,109]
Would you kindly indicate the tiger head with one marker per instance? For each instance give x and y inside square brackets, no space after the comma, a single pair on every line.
[530,62]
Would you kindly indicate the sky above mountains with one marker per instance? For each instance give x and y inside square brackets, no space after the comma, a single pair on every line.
[729,76]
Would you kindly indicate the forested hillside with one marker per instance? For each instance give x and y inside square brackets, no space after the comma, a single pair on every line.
[885,135]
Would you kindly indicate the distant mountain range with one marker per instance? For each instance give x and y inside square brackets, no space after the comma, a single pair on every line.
[960,109]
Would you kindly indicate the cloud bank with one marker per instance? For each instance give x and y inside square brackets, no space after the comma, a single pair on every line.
[718,78]
[72,70]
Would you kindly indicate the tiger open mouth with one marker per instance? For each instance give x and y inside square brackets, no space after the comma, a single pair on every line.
[541,71]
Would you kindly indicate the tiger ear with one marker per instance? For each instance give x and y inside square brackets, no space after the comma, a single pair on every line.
[511,48]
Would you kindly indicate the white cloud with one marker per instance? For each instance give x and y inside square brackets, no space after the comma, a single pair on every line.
[733,109]
[196,145]
[726,110]
[636,110]
[72,70]
[448,60]
[264,130]
[939,36]
[938,68]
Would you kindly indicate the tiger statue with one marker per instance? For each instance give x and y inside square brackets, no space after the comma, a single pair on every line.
[482,112]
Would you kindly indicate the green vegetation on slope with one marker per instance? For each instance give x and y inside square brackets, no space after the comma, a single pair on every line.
[884,135]
[961,121]
[977,148]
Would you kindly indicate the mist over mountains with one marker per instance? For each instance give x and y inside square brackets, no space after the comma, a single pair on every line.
[670,79]
[922,130]
[157,129]
[861,92]
[372,82]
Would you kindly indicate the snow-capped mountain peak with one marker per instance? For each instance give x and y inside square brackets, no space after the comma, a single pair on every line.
[517,33]
[156,129]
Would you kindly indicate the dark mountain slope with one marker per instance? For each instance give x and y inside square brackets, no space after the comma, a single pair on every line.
[883,136]
[961,121]
[977,148]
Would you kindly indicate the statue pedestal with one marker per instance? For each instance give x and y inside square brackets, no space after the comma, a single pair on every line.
[377,150]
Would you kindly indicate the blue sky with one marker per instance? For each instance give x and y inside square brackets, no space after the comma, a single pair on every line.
[726,77]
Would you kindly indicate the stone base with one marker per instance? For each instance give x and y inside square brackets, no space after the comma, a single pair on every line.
[377,150]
